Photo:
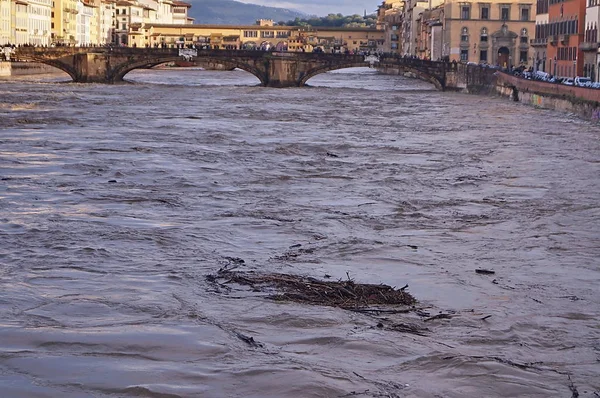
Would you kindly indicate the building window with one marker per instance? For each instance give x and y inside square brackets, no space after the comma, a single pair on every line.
[485,12]
[484,35]
[524,37]
[464,55]
[464,35]
[465,12]
[483,56]
[505,12]
[525,14]
[250,33]
[124,26]
[523,57]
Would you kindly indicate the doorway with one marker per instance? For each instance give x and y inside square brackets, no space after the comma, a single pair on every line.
[503,57]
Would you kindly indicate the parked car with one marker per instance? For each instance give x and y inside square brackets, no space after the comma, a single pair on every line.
[539,75]
[582,81]
[568,81]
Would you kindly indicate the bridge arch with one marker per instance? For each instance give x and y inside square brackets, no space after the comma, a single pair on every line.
[361,64]
[121,70]
[68,69]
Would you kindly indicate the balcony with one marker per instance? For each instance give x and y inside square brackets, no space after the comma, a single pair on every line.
[588,46]
[539,42]
[553,40]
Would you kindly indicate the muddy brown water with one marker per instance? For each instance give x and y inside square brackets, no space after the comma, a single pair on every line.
[117,201]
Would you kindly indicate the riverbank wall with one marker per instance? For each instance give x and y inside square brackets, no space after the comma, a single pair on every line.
[474,79]
[8,69]
[581,101]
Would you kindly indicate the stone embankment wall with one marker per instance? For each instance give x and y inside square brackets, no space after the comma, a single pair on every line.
[579,100]
[470,78]
[8,69]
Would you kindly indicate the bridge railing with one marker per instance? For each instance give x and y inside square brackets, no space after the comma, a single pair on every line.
[418,63]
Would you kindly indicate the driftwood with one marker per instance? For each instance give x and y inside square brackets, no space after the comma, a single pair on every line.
[343,293]
[438,316]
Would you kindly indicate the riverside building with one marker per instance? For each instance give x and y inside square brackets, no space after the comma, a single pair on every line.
[495,32]
[589,46]
[263,35]
[83,22]
[566,26]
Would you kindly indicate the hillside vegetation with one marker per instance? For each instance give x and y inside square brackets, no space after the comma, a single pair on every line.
[229,12]
[335,21]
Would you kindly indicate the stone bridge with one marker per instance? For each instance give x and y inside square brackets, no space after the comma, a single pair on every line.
[273,69]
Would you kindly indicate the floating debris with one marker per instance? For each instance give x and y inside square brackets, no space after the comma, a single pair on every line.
[345,294]
[485,271]
[249,340]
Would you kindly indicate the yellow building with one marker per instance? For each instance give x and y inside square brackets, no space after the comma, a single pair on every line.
[389,19]
[496,32]
[95,22]
[64,22]
[5,22]
[261,36]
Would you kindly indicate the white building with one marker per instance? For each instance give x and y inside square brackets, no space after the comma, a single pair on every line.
[85,24]
[20,25]
[164,12]
[106,22]
[39,15]
[180,13]
[126,14]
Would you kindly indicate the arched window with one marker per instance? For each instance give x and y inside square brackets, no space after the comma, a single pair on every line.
[484,35]
[524,37]
[464,35]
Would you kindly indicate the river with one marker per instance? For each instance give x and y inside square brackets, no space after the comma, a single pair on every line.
[117,201]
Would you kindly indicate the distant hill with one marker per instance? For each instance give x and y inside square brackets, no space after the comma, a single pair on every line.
[230,12]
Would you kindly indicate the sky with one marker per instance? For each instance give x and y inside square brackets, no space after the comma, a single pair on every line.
[322,7]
